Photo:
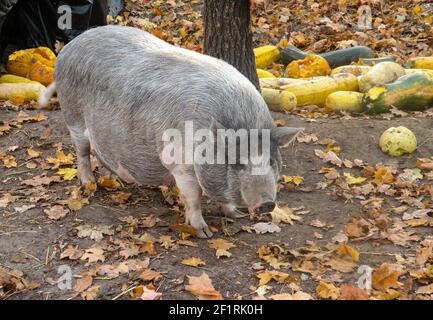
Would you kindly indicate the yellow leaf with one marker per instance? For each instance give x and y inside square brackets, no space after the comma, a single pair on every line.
[278,276]
[193,262]
[67,173]
[108,183]
[61,159]
[284,214]
[294,179]
[353,180]
[327,291]
[383,175]
[33,153]
[343,249]
[417,9]
[221,246]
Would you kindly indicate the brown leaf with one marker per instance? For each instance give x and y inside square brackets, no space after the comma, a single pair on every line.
[221,246]
[41,180]
[72,253]
[280,277]
[150,275]
[83,283]
[56,212]
[349,292]
[384,278]
[202,288]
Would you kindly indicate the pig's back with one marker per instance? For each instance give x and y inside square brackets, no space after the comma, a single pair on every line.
[128,69]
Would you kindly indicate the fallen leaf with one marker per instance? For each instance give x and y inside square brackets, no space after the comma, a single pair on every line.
[193,262]
[283,214]
[56,212]
[83,283]
[353,180]
[349,292]
[108,183]
[61,159]
[221,246]
[150,275]
[93,254]
[95,233]
[72,253]
[327,291]
[67,173]
[343,249]
[40,181]
[202,288]
[91,293]
[384,278]
[280,277]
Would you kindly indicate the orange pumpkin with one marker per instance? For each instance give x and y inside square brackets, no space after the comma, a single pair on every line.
[36,64]
[310,66]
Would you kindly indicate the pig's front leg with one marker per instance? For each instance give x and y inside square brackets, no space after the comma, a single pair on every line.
[190,191]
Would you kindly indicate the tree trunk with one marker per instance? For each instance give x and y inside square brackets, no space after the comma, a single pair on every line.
[227,35]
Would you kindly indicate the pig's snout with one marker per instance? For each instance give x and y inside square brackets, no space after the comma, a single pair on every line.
[265,207]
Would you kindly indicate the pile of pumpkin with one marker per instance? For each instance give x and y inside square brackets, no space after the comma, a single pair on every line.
[29,71]
[371,85]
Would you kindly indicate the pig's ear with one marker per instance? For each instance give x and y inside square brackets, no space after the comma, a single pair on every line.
[284,135]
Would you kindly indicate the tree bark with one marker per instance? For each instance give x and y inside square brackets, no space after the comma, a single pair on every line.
[227,35]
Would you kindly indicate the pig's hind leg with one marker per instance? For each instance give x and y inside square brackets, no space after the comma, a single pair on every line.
[190,191]
[81,142]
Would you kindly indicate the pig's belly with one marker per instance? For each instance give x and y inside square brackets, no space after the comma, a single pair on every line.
[131,163]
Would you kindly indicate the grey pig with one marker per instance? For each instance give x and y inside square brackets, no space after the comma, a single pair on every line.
[121,88]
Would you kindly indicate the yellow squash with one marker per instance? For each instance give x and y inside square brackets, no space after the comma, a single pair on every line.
[21,92]
[264,74]
[350,101]
[279,100]
[420,63]
[315,91]
[355,70]
[266,55]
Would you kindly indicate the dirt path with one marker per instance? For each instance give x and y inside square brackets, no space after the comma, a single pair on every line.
[32,243]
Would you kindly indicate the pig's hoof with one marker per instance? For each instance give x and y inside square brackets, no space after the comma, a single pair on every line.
[86,177]
[231,211]
[204,232]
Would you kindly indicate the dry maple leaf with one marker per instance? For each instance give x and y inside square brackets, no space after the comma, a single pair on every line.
[147,247]
[41,181]
[167,242]
[33,153]
[265,253]
[327,291]
[343,249]
[280,277]
[95,233]
[61,159]
[221,246]
[202,288]
[145,293]
[284,214]
[262,227]
[357,228]
[384,277]
[108,183]
[9,161]
[67,173]
[72,253]
[74,204]
[93,254]
[183,229]
[424,163]
[56,212]
[129,250]
[341,265]
[120,197]
[193,262]
[91,293]
[83,283]
[299,295]
[383,175]
[149,275]
[349,292]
